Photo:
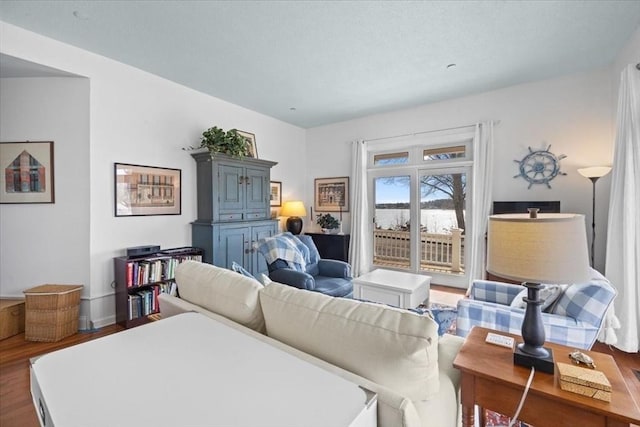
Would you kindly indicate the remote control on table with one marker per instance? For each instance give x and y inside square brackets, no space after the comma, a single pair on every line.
[500,340]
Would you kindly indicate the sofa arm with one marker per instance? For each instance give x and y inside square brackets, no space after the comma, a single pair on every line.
[297,279]
[170,305]
[497,292]
[448,348]
[334,268]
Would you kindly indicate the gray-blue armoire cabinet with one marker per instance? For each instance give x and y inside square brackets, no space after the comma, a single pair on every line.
[233,210]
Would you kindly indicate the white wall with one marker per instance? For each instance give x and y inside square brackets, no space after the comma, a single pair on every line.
[47,243]
[136,117]
[571,113]
[629,54]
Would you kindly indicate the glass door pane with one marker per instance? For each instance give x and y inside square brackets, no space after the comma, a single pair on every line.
[442,222]
[391,234]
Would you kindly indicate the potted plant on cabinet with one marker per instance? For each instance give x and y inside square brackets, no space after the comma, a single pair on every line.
[216,140]
[328,223]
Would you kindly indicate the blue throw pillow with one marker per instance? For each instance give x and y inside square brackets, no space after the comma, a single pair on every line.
[587,302]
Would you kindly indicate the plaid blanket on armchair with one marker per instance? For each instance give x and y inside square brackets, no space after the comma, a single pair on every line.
[285,248]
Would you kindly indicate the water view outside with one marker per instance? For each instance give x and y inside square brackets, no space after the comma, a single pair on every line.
[431,221]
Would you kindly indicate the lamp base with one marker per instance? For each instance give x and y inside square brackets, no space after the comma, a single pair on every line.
[294,225]
[542,364]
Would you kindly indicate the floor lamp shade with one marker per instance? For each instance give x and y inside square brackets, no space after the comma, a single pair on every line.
[547,248]
[294,210]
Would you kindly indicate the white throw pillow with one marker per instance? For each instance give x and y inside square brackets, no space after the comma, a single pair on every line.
[221,291]
[548,295]
[392,347]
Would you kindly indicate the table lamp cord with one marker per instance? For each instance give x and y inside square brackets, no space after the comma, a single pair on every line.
[514,419]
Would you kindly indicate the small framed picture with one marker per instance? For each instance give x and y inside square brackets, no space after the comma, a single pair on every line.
[332,194]
[251,141]
[27,172]
[275,194]
[147,190]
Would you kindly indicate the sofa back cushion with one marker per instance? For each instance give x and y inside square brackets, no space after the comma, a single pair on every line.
[392,347]
[221,291]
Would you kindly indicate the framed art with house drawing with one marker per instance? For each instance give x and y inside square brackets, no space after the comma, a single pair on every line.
[331,194]
[27,172]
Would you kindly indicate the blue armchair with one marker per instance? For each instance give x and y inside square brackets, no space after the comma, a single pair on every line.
[573,319]
[295,261]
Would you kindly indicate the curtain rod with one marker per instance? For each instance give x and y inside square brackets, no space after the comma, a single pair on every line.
[497,122]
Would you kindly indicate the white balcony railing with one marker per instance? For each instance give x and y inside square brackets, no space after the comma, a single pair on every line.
[443,252]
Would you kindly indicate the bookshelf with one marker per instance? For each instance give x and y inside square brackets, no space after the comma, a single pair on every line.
[139,281]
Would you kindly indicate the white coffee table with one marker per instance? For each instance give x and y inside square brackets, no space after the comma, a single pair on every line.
[397,288]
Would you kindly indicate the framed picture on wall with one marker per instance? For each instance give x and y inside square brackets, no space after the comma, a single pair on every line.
[251,142]
[331,194]
[27,172]
[275,194]
[147,190]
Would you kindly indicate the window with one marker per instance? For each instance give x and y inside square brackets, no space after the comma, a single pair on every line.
[391,159]
[420,204]
[444,153]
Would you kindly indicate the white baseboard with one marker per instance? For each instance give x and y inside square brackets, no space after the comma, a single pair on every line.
[101,323]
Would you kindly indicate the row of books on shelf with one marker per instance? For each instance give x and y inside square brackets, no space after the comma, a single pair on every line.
[156,269]
[145,302]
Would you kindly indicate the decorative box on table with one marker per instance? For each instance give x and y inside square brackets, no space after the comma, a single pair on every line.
[52,312]
[587,382]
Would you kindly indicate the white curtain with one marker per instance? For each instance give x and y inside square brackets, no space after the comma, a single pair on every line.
[623,240]
[482,181]
[361,237]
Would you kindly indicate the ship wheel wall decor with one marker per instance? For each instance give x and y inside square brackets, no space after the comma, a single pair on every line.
[540,167]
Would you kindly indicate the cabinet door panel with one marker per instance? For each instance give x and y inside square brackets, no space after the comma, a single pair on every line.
[231,188]
[259,265]
[232,244]
[257,190]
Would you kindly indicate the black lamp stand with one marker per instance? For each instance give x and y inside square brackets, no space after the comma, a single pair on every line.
[593,218]
[531,352]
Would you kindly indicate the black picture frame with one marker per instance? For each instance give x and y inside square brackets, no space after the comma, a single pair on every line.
[146,190]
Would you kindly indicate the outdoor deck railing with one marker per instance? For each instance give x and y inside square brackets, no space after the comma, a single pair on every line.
[442,251]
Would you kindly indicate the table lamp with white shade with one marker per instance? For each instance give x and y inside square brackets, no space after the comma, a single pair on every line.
[535,249]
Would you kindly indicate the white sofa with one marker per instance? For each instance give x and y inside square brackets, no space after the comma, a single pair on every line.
[392,352]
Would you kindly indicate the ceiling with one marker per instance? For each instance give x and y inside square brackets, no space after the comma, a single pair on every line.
[312,63]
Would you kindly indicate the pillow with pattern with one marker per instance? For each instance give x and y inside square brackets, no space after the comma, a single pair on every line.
[548,295]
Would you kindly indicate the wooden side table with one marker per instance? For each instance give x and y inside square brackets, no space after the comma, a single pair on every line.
[490,380]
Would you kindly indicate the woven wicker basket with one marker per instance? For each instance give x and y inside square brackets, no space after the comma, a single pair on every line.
[51,312]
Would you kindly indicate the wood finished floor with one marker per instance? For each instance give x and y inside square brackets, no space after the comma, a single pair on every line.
[16,407]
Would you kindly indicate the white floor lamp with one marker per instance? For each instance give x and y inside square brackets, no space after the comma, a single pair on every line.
[594,173]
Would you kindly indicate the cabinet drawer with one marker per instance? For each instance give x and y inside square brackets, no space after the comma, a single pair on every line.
[256,215]
[233,216]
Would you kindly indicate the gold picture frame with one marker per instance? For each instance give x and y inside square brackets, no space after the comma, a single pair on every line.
[251,141]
